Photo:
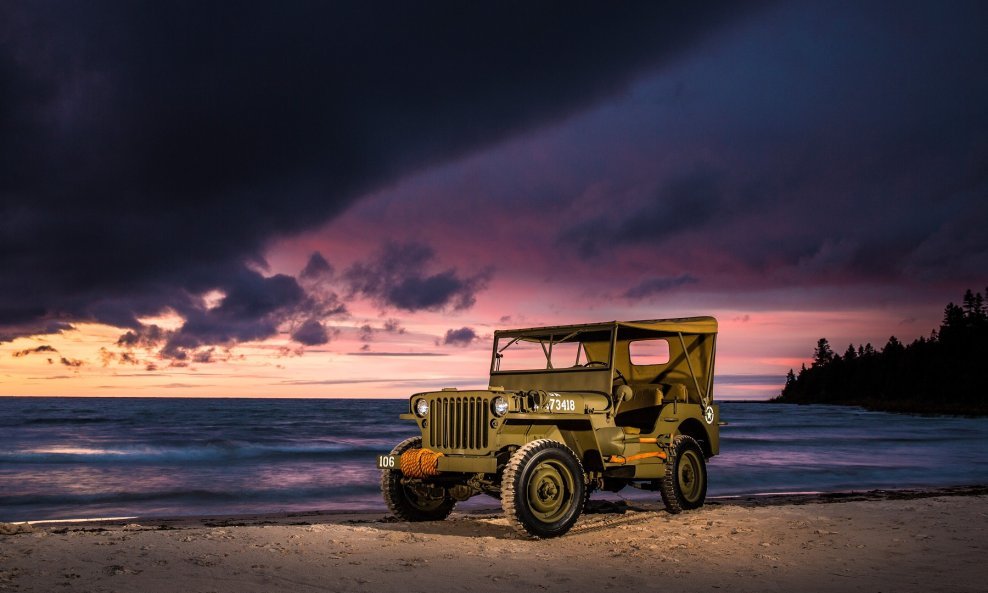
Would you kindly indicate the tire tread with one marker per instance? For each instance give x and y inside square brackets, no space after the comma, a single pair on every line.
[668,483]
[390,485]
[518,459]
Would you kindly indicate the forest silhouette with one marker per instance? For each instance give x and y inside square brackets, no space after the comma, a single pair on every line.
[940,374]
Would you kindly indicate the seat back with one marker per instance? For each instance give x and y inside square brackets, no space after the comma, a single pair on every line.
[642,410]
[676,393]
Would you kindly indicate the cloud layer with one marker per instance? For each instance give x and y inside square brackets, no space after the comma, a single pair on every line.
[149,152]
[398,276]
[817,156]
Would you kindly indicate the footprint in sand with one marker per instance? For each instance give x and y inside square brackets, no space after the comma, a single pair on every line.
[117,570]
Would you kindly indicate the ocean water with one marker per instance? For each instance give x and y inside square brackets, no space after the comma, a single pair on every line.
[92,457]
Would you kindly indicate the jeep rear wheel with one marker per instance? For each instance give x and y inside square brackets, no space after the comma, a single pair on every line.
[414,502]
[543,489]
[684,486]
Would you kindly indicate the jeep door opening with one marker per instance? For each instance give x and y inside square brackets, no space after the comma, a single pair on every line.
[569,410]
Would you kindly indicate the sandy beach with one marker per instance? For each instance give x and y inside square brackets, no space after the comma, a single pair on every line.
[878,541]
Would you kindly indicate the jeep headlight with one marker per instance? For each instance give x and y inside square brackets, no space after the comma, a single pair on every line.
[499,406]
[421,408]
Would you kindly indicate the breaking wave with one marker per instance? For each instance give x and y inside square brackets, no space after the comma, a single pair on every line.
[211,452]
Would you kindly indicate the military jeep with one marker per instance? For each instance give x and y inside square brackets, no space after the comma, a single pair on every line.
[569,410]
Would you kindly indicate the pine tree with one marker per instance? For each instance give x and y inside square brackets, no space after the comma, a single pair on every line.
[970,305]
[822,354]
[941,373]
[953,317]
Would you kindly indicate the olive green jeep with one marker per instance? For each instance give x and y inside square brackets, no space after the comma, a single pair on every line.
[569,410]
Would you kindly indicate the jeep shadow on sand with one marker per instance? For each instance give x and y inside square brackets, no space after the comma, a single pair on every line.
[569,410]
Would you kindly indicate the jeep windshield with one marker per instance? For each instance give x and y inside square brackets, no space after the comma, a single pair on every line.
[560,350]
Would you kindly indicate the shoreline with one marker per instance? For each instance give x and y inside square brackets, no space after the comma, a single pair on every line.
[594,507]
[880,540]
[911,408]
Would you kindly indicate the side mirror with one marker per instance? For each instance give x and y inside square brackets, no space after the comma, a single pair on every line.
[623,393]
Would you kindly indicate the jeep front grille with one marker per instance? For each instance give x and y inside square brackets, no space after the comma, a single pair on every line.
[460,423]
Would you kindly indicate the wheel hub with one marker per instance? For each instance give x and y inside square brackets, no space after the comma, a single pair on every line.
[547,490]
[689,480]
[687,476]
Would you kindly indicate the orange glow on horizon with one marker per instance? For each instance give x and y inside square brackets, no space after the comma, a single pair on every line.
[387,364]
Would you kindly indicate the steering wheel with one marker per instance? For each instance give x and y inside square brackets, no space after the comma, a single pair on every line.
[601,363]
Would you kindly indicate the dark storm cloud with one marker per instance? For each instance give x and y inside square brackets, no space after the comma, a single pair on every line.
[252,310]
[147,337]
[399,276]
[823,145]
[365,333]
[26,351]
[684,203]
[255,307]
[316,266]
[311,333]
[12,331]
[652,286]
[460,337]
[150,151]
[204,356]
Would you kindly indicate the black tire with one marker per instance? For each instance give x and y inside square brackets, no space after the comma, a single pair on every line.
[543,489]
[404,502]
[684,486]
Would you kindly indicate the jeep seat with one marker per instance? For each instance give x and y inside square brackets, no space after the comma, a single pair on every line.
[676,393]
[641,411]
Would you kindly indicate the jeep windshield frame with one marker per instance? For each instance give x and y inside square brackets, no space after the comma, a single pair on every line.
[548,338]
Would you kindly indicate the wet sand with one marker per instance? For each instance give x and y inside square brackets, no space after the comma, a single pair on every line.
[898,541]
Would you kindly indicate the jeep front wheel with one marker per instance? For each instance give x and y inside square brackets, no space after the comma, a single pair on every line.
[419,502]
[543,489]
[684,486]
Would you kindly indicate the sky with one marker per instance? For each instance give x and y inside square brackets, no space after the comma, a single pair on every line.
[343,200]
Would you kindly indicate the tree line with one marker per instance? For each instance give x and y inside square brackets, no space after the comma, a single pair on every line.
[940,374]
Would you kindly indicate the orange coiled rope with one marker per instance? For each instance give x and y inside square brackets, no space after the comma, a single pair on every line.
[420,463]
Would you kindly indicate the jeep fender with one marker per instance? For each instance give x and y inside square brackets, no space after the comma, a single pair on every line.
[577,435]
[695,429]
